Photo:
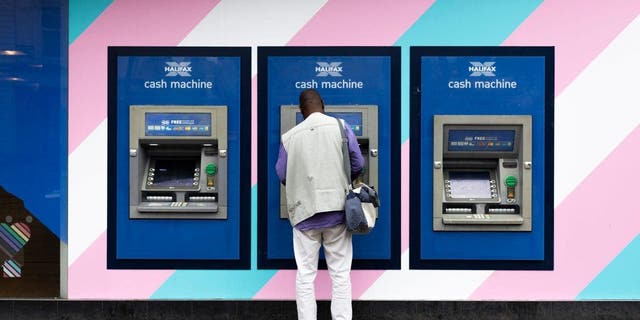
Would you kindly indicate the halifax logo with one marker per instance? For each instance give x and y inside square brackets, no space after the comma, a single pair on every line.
[482,69]
[329,69]
[177,68]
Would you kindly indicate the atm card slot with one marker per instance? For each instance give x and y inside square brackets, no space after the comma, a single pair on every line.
[502,209]
[158,197]
[458,209]
[201,197]
[211,198]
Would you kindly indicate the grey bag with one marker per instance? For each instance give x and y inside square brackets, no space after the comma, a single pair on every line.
[361,210]
[361,204]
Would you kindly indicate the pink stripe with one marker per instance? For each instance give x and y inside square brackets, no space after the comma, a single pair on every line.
[282,285]
[123,23]
[578,29]
[349,23]
[24,229]
[90,279]
[590,230]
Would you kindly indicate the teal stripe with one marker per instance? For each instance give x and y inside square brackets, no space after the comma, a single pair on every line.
[460,23]
[82,13]
[620,279]
[14,265]
[219,284]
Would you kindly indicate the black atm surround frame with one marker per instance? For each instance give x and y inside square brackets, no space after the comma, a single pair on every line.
[415,215]
[263,170]
[244,260]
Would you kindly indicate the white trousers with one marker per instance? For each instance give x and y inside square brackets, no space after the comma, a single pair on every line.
[338,251]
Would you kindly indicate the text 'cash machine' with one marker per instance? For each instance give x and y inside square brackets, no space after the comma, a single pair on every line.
[482,173]
[363,120]
[178,162]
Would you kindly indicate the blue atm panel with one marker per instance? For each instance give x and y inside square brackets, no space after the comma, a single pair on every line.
[179,158]
[481,188]
[365,93]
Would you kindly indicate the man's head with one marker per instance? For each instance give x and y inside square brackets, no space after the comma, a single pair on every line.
[310,102]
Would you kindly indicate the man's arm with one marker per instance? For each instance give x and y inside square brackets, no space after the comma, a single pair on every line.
[281,165]
[355,157]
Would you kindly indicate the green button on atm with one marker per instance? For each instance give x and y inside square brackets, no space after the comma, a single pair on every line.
[211,170]
[511,182]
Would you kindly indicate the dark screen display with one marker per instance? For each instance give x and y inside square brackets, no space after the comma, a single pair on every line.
[174,173]
[481,140]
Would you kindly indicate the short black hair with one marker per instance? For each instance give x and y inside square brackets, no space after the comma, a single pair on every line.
[310,97]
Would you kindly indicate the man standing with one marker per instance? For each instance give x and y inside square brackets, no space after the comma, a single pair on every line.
[310,165]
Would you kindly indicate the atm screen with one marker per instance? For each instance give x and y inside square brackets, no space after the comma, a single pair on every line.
[354,119]
[177,124]
[174,173]
[472,185]
[481,140]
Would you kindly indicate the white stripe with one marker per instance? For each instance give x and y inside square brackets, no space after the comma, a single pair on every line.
[597,111]
[87,192]
[252,23]
[425,284]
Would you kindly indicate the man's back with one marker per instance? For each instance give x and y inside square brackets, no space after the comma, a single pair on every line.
[315,174]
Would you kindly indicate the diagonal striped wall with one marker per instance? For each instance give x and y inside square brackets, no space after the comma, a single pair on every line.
[596,135]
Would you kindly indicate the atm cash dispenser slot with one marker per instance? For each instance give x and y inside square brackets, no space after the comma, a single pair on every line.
[363,120]
[178,163]
[482,173]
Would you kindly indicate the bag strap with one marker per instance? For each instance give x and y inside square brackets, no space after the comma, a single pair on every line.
[345,151]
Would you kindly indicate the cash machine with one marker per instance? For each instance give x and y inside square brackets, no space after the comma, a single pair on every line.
[363,120]
[178,162]
[482,173]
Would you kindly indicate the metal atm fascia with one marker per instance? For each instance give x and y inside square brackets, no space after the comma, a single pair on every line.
[504,207]
[367,136]
[203,153]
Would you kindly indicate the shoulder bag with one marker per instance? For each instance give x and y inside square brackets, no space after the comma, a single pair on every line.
[361,204]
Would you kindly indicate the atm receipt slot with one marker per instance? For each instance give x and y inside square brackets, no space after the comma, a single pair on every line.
[482,173]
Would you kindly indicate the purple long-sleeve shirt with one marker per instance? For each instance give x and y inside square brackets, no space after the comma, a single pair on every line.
[332,218]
